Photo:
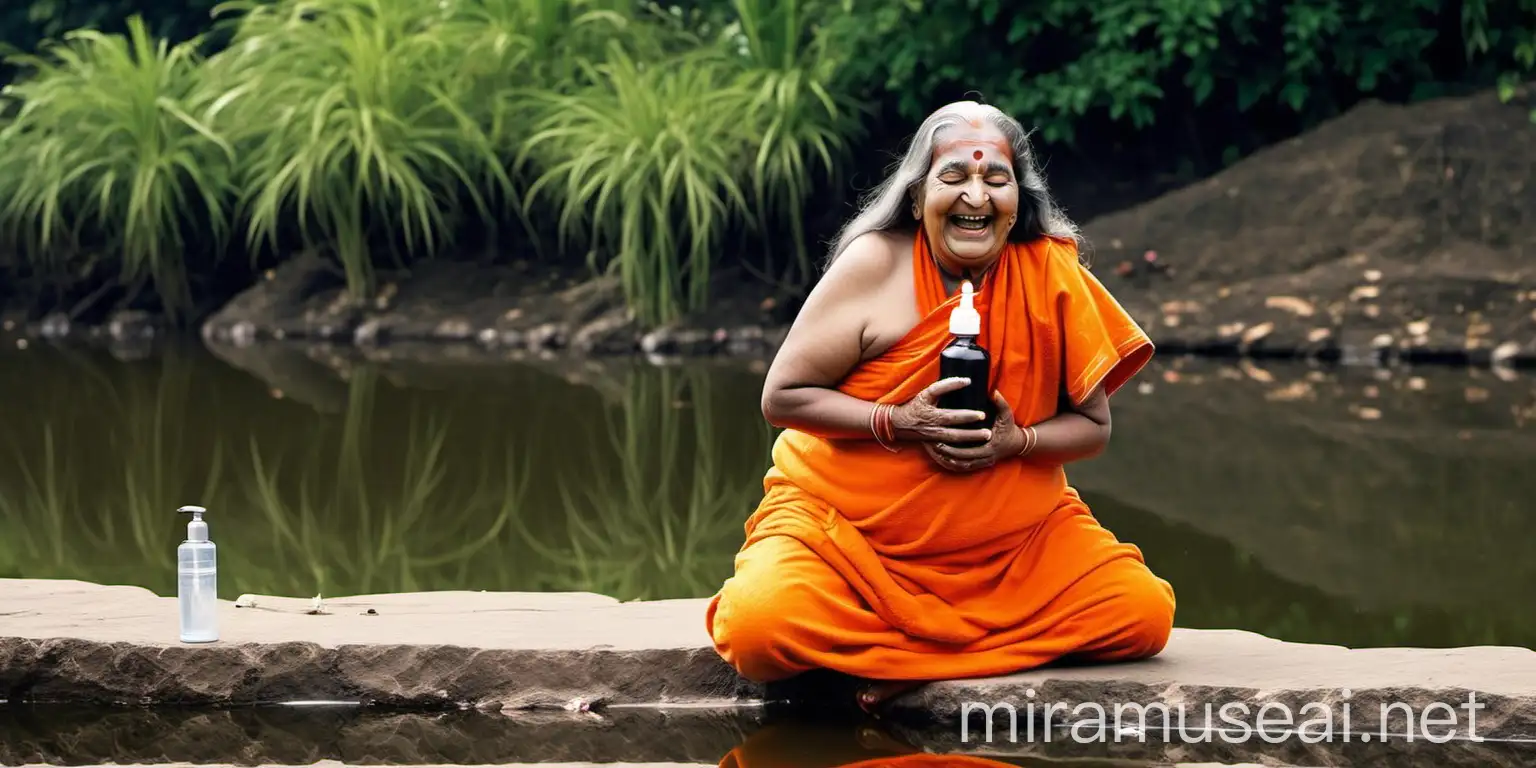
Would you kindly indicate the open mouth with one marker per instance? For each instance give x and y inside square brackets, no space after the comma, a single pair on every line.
[971,223]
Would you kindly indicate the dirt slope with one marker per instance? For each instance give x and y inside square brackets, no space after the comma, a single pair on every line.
[1411,228]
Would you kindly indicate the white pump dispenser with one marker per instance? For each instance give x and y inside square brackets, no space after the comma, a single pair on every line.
[197,585]
[965,320]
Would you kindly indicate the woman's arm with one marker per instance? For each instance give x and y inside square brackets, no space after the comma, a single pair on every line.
[1073,434]
[828,338]
[824,343]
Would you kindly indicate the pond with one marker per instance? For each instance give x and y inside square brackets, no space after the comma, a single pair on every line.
[1356,506]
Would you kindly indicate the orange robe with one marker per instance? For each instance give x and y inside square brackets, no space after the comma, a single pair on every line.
[782,745]
[882,565]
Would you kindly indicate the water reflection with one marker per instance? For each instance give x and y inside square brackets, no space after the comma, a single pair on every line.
[1336,507]
[76,735]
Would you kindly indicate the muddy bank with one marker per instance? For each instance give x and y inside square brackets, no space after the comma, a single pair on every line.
[1405,232]
[519,308]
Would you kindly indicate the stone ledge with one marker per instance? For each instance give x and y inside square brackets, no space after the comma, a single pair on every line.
[68,641]
[75,642]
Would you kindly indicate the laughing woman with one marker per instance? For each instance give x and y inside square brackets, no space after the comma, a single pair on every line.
[881,551]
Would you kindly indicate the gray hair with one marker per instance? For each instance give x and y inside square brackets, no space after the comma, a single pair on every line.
[887,208]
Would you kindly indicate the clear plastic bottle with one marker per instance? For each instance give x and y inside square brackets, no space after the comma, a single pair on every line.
[197,581]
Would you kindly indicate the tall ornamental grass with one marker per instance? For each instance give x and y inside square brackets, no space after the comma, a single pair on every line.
[110,159]
[354,128]
[382,130]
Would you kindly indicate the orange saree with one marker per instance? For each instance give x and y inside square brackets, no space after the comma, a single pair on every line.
[883,565]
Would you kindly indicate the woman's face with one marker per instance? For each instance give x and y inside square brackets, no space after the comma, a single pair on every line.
[970,198]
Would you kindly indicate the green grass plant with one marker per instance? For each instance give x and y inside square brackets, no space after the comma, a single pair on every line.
[354,120]
[380,131]
[108,160]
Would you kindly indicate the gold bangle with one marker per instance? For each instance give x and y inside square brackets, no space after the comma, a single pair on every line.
[1031,439]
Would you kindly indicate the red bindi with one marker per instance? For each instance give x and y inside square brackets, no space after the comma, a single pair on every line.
[976,154]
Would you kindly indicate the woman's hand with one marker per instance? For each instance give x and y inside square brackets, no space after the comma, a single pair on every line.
[922,419]
[1006,442]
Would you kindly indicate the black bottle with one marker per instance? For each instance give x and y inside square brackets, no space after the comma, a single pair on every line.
[964,357]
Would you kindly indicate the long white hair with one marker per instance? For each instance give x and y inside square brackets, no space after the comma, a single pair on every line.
[888,207]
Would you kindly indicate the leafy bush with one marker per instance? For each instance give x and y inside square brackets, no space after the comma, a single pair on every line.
[1216,66]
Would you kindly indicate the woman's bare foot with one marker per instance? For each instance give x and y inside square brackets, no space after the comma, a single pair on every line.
[874,694]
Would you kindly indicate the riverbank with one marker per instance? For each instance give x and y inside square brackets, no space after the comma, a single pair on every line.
[524,653]
[1391,233]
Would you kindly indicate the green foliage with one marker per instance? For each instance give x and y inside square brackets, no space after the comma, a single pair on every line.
[111,143]
[372,127]
[645,137]
[1064,65]
[351,113]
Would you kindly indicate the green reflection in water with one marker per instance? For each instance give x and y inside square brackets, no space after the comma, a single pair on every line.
[1271,505]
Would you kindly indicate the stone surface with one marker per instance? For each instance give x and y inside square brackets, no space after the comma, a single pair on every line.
[77,642]
[72,641]
[1484,692]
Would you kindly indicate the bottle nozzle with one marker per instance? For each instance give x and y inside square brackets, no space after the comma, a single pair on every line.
[964,320]
[197,529]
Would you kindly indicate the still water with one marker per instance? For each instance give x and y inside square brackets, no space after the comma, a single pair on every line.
[1344,506]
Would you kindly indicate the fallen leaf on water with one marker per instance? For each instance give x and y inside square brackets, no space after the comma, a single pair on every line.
[1174,307]
[1317,376]
[1373,275]
[1418,327]
[1476,394]
[1171,376]
[1170,320]
[1291,304]
[1255,372]
[513,314]
[1505,351]
[1144,388]
[1229,373]
[1224,292]
[1364,292]
[1318,334]
[1505,373]
[1479,329]
[1416,384]
[21,343]
[1257,332]
[1296,390]
[1367,413]
[1372,392]
[768,303]
[1372,310]
[1231,329]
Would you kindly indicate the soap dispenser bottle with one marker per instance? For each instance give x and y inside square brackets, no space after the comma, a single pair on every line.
[197,583]
[965,358]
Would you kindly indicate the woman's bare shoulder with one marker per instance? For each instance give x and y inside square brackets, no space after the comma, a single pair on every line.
[867,265]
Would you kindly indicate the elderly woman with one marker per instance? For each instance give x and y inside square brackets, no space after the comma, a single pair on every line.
[880,549]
